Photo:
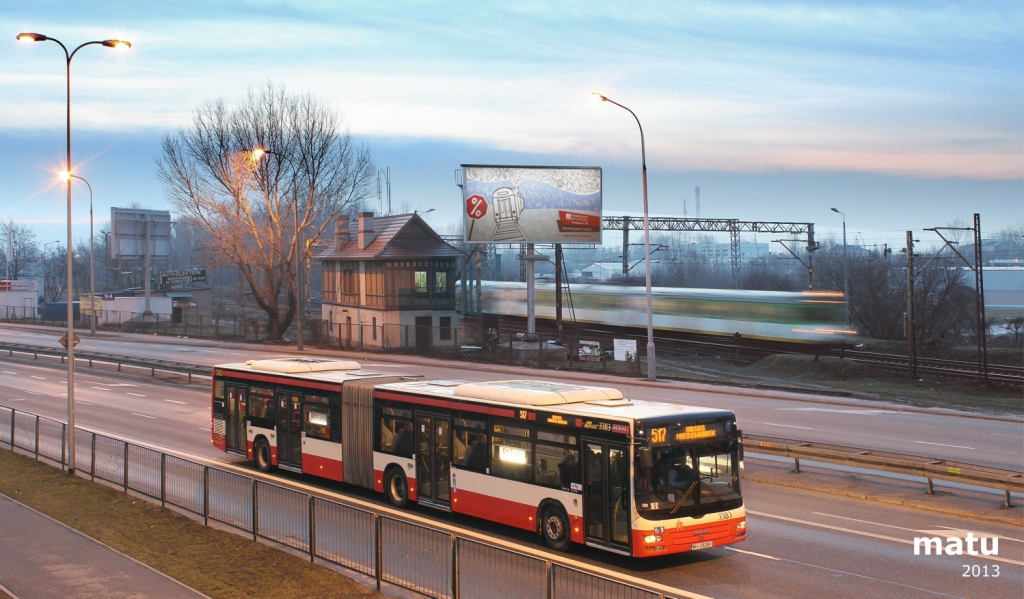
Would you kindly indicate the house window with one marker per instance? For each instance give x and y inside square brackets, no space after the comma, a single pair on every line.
[446,327]
[420,281]
[441,282]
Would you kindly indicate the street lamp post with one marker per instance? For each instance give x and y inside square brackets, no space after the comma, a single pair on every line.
[846,271]
[651,367]
[38,37]
[92,265]
[257,154]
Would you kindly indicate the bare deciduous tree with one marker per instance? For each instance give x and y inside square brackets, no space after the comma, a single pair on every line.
[23,246]
[243,206]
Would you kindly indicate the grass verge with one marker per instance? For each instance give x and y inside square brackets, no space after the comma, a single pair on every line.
[214,562]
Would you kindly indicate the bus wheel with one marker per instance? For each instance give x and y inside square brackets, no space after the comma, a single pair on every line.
[262,453]
[554,527]
[396,488]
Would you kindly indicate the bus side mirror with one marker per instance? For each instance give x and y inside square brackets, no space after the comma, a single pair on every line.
[646,461]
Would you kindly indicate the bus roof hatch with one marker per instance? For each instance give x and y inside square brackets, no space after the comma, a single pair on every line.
[536,393]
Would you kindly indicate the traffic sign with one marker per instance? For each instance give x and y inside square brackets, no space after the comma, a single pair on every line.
[476,206]
[75,340]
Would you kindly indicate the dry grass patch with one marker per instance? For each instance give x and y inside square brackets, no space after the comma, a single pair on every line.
[214,562]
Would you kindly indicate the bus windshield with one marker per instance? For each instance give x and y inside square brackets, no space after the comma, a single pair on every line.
[689,480]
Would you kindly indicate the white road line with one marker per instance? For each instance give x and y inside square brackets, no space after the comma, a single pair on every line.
[84,403]
[205,430]
[9,372]
[806,428]
[101,388]
[15,400]
[752,553]
[42,378]
[94,383]
[144,416]
[945,445]
[864,412]
[987,534]
[869,534]
[1005,435]
[136,394]
[175,401]
[33,393]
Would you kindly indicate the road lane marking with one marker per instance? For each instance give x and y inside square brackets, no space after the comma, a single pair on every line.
[205,430]
[753,553]
[869,534]
[175,401]
[945,445]
[806,428]
[960,531]
[101,388]
[33,393]
[84,403]
[144,416]
[9,372]
[42,378]
[14,400]
[864,412]
[136,394]
[848,573]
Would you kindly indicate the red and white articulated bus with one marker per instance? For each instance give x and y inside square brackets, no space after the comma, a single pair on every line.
[578,464]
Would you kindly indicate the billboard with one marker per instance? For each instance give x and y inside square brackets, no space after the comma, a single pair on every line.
[129,228]
[531,204]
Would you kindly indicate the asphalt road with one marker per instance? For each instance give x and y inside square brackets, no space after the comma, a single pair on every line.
[801,544]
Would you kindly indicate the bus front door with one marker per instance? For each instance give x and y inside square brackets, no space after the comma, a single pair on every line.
[606,494]
[289,429]
[433,460]
[234,419]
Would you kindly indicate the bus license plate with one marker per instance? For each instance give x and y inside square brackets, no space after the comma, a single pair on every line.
[704,545]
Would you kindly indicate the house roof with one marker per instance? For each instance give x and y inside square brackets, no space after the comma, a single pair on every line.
[396,237]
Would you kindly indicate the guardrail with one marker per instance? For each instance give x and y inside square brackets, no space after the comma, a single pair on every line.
[389,546]
[929,468]
[151,364]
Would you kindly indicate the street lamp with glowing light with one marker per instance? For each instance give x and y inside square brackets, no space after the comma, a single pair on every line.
[28,37]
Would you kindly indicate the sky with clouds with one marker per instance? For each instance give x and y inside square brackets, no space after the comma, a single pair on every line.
[905,115]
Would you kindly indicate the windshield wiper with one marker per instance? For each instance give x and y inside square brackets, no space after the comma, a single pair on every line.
[687,494]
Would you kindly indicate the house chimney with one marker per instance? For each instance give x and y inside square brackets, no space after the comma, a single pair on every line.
[366,233]
[341,234]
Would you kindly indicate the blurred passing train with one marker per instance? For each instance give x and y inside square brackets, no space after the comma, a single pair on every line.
[796,317]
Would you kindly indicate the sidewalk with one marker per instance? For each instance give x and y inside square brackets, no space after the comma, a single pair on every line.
[42,558]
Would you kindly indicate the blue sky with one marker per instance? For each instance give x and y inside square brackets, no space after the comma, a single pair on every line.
[904,115]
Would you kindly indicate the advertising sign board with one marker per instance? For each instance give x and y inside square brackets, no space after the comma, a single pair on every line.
[131,227]
[625,350]
[532,204]
[175,279]
[590,351]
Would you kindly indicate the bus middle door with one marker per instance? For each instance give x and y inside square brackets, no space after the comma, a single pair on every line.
[606,506]
[433,460]
[234,419]
[289,429]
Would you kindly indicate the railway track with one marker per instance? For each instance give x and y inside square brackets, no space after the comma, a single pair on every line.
[747,351]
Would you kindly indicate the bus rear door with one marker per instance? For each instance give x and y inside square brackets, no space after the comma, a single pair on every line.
[433,460]
[234,418]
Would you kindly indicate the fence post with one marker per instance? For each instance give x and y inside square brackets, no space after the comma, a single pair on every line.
[37,439]
[92,459]
[163,479]
[125,466]
[455,567]
[312,529]
[255,509]
[551,580]
[206,495]
[379,548]
[14,414]
[931,488]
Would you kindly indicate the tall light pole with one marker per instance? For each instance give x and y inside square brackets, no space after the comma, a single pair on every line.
[92,265]
[651,367]
[846,271]
[257,155]
[38,37]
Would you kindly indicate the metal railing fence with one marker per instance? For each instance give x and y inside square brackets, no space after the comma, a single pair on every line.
[431,561]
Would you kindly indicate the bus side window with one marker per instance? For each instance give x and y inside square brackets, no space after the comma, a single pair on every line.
[474,454]
[396,436]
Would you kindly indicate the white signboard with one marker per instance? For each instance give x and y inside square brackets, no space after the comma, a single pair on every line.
[625,350]
[515,204]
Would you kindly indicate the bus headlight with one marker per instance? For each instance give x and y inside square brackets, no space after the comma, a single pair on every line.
[741,525]
[652,539]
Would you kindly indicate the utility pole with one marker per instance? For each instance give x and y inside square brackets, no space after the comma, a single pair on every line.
[558,292]
[911,328]
[979,287]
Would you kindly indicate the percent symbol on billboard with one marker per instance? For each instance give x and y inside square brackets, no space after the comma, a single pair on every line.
[476,206]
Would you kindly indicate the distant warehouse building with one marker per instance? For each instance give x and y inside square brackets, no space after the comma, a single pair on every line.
[1004,292]
[18,299]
